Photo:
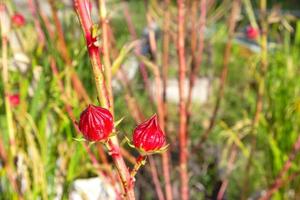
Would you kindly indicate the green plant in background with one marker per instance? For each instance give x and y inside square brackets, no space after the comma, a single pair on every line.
[50,74]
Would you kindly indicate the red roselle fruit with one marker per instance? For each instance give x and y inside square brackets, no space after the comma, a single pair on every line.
[96,123]
[252,33]
[14,99]
[148,137]
[18,20]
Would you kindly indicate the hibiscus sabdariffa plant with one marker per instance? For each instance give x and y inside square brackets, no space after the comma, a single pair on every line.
[97,122]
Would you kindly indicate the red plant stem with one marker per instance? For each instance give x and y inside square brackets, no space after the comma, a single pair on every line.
[82,8]
[156,182]
[137,114]
[140,161]
[280,178]
[161,114]
[165,54]
[225,182]
[106,58]
[182,103]
[8,170]
[227,53]
[259,92]
[137,52]
[37,24]
[71,114]
[197,57]
[63,49]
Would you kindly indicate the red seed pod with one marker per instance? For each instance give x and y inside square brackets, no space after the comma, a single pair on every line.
[96,123]
[252,33]
[148,137]
[14,99]
[18,20]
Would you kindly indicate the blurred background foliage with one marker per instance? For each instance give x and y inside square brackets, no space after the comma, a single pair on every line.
[46,159]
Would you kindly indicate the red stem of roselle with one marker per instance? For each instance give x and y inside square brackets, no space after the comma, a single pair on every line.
[106,58]
[63,49]
[72,117]
[82,8]
[259,92]
[182,103]
[280,178]
[227,53]
[37,24]
[140,161]
[137,51]
[197,56]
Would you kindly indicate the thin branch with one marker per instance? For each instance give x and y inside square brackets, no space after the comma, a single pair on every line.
[227,53]
[183,148]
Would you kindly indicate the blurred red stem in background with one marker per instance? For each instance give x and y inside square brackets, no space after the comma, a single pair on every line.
[32,6]
[196,54]
[63,49]
[230,164]
[226,57]
[106,55]
[142,67]
[279,181]
[183,140]
[259,93]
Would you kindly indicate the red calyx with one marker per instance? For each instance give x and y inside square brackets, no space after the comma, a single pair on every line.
[18,20]
[14,99]
[148,136]
[96,123]
[252,33]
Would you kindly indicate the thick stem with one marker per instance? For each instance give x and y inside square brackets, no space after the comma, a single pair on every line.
[182,102]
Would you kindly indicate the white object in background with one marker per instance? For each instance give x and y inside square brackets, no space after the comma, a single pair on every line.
[200,91]
[92,189]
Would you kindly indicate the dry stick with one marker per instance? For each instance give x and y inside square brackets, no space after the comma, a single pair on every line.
[183,148]
[106,58]
[84,15]
[280,178]
[63,49]
[196,57]
[260,92]
[227,53]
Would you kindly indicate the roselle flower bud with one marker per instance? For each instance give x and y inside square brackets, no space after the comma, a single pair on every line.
[148,137]
[18,20]
[252,33]
[96,123]
[14,100]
